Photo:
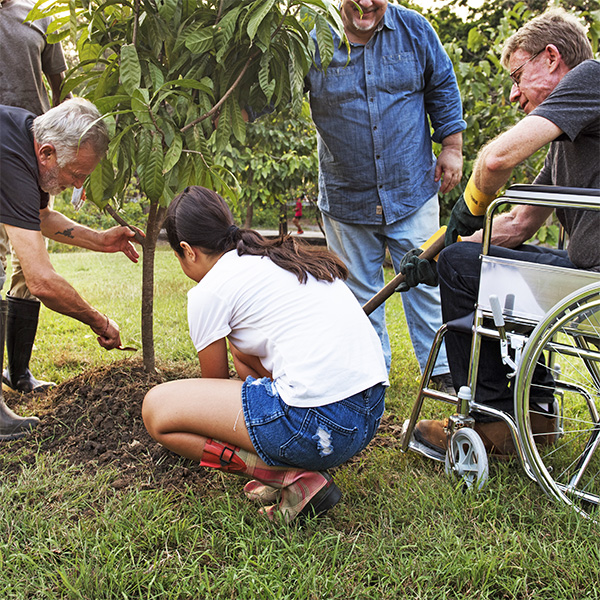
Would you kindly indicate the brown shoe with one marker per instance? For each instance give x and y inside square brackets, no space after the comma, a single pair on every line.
[432,434]
[495,436]
[545,429]
[498,440]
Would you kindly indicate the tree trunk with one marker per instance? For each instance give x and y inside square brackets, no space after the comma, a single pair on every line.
[249,215]
[156,217]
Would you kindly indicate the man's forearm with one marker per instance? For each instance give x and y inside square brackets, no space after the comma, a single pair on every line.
[513,228]
[59,295]
[61,229]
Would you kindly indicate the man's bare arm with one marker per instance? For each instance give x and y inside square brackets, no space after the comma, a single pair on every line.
[497,160]
[57,227]
[53,290]
[515,227]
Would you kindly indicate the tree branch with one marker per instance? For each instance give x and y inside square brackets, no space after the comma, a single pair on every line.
[217,107]
[136,14]
[121,221]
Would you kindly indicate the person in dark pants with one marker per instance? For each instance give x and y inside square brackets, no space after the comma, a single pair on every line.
[40,156]
[27,58]
[555,80]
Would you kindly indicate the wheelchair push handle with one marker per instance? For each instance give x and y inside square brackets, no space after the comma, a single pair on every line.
[431,248]
[497,311]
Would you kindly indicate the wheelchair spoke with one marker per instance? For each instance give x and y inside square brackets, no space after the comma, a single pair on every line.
[564,347]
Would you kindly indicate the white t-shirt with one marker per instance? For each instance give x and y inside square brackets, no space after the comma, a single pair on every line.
[314,338]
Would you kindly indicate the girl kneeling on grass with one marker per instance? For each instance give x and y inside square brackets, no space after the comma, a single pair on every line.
[312,370]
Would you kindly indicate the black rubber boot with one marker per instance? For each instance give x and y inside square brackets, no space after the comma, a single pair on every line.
[12,426]
[21,327]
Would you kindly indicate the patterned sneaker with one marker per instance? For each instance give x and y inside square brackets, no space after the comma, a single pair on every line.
[259,492]
[312,494]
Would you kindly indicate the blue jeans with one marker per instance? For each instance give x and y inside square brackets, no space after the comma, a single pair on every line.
[362,248]
[316,438]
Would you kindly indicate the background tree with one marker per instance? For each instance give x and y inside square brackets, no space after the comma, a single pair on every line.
[277,163]
[163,71]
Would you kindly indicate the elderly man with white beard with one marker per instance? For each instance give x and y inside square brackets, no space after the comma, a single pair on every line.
[40,156]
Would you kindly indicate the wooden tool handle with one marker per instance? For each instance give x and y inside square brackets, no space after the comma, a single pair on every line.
[431,248]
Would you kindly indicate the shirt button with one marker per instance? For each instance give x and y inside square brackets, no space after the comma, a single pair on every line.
[368,72]
[375,128]
[378,157]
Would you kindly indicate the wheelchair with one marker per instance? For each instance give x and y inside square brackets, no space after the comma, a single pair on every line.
[540,315]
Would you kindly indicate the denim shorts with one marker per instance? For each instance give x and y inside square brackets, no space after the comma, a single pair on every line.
[309,438]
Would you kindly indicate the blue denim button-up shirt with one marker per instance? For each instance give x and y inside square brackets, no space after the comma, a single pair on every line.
[376,163]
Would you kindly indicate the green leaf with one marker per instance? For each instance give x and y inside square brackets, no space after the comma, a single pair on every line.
[140,107]
[144,145]
[266,85]
[223,132]
[108,103]
[200,40]
[324,41]
[173,153]
[131,71]
[157,76]
[151,178]
[99,185]
[225,30]
[238,125]
[259,11]
[166,9]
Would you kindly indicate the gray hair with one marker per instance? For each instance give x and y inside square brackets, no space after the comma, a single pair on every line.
[70,125]
[556,27]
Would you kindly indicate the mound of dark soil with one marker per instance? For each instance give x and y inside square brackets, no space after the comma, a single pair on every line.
[94,420]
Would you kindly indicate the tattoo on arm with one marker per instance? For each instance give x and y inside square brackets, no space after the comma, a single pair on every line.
[67,233]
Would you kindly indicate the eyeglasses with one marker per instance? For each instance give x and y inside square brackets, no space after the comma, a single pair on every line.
[513,73]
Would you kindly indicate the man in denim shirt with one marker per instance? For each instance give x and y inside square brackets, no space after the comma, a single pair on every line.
[378,176]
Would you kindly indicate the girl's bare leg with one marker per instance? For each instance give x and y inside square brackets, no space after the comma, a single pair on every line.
[190,415]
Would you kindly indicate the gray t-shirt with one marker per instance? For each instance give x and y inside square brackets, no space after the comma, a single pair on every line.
[573,159]
[24,56]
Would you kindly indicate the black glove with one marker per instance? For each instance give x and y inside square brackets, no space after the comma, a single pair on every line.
[462,222]
[417,270]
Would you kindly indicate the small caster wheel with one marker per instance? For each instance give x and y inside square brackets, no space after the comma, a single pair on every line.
[466,458]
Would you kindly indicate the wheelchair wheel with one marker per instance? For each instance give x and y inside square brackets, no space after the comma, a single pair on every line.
[561,363]
[469,457]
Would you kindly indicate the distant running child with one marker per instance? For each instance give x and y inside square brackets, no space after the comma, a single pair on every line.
[298,216]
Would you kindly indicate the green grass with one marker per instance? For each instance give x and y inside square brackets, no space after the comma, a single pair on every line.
[403,530]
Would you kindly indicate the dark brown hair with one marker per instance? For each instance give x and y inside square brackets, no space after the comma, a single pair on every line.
[202,218]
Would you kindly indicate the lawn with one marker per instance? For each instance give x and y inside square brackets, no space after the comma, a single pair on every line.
[403,529]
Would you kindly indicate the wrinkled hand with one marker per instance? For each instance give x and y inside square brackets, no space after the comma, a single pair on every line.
[118,239]
[462,222]
[448,168]
[109,336]
[417,270]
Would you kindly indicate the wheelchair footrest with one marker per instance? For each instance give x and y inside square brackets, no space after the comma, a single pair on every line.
[419,447]
[426,451]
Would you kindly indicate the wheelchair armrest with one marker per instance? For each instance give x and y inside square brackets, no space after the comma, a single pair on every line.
[462,324]
[515,190]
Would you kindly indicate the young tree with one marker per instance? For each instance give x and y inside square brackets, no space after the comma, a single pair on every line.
[164,73]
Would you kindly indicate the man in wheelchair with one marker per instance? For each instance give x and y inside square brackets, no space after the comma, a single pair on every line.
[556,82]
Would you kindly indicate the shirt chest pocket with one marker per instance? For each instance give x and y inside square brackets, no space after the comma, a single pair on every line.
[400,73]
[339,85]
